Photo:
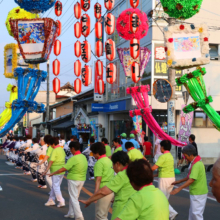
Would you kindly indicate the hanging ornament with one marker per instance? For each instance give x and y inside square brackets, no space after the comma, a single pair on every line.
[110,49]
[86,51]
[77,86]
[77,30]
[77,49]
[56,67]
[134,3]
[77,10]
[85,22]
[77,68]
[98,30]
[99,48]
[135,72]
[111,73]
[59,29]
[58,8]
[109,4]
[86,75]
[135,48]
[99,67]
[57,47]
[134,22]
[85,5]
[97,11]
[110,24]
[101,86]
[56,85]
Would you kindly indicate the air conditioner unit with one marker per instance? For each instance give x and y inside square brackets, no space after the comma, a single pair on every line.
[101,132]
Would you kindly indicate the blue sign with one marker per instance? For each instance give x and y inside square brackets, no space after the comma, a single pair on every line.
[109,107]
[74,131]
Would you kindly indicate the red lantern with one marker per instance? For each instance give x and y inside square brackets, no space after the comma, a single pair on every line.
[59,29]
[134,3]
[86,51]
[56,85]
[77,10]
[77,68]
[85,5]
[134,22]
[77,86]
[101,86]
[77,49]
[135,72]
[109,4]
[58,8]
[98,30]
[86,75]
[99,67]
[99,48]
[135,48]
[56,67]
[110,49]
[85,22]
[97,11]
[110,24]
[57,47]
[77,30]
[111,73]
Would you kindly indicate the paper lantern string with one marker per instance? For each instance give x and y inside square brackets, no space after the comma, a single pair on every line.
[195,85]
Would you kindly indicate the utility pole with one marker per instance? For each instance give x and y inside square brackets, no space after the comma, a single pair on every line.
[48,92]
[171,108]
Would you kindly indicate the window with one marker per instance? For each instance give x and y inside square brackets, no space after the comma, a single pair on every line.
[214,54]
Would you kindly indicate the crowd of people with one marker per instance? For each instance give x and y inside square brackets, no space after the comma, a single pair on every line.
[123,174]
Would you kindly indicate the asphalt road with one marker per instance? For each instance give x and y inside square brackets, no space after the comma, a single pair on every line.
[22,200]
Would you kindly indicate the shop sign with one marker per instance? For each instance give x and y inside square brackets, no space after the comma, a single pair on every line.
[171,118]
[109,107]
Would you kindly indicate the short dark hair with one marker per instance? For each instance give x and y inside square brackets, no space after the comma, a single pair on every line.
[21,138]
[189,150]
[75,145]
[47,138]
[54,140]
[140,173]
[105,140]
[16,138]
[145,138]
[73,137]
[28,136]
[98,148]
[61,136]
[193,137]
[92,140]
[117,140]
[35,140]
[11,138]
[121,157]
[166,144]
[129,145]
[24,138]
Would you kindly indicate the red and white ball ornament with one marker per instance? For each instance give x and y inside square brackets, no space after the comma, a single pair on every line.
[111,73]
[57,47]
[134,48]
[86,75]
[86,51]
[56,85]
[110,24]
[77,49]
[77,68]
[110,49]
[77,29]
[77,86]
[77,10]
[56,67]
[101,86]
[86,25]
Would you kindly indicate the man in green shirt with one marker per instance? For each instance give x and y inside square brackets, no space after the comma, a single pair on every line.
[148,202]
[165,167]
[117,145]
[133,153]
[196,181]
[107,147]
[120,185]
[77,168]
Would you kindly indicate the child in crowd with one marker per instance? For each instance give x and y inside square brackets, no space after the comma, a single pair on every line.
[107,147]
[133,153]
[117,145]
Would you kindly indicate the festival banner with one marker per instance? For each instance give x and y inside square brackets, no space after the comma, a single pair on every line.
[137,121]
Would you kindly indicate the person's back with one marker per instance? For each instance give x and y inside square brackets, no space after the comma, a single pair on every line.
[134,154]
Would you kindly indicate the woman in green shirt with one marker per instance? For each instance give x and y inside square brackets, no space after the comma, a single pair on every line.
[107,147]
[117,144]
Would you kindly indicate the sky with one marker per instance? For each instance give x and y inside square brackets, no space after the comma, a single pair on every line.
[67,38]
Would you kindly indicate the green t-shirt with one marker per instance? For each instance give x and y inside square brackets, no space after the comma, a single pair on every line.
[49,151]
[199,186]
[118,149]
[108,150]
[135,154]
[165,163]
[147,204]
[77,167]
[123,190]
[103,168]
[58,157]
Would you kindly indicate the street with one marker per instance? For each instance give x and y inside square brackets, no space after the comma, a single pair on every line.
[22,200]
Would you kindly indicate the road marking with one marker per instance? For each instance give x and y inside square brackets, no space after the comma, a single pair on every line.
[12,174]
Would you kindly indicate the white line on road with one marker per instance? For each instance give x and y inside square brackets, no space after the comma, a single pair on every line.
[12,174]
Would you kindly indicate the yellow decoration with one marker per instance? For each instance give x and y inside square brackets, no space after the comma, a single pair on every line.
[169,62]
[168,53]
[201,30]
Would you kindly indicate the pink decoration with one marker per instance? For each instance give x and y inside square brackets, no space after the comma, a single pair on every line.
[170,40]
[123,24]
[206,39]
[145,111]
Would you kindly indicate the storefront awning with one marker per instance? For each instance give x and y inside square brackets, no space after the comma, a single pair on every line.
[64,125]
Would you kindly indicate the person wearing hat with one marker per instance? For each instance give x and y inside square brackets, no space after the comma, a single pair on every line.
[134,142]
[123,140]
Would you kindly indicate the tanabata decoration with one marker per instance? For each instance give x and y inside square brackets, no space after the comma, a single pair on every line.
[18,13]
[97,11]
[135,72]
[57,47]
[98,30]
[140,96]
[35,38]
[109,4]
[77,10]
[181,9]
[110,49]
[187,45]
[86,51]
[58,8]
[110,24]
[29,81]
[85,4]
[85,24]
[6,114]
[77,30]
[124,23]
[98,48]
[134,3]
[99,67]
[59,28]
[195,85]
[34,6]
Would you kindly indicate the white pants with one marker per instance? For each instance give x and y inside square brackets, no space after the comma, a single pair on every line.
[164,184]
[74,188]
[49,180]
[102,207]
[197,207]
[55,192]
